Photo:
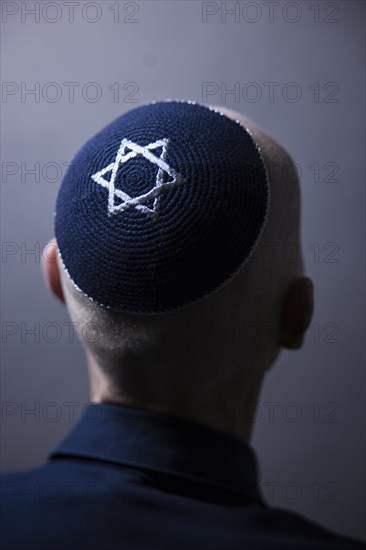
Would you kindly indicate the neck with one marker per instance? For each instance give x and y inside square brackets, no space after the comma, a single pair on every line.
[228,409]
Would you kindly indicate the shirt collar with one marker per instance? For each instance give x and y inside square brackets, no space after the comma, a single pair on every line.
[143,438]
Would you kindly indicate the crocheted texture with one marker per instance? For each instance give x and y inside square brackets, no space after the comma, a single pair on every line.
[161,208]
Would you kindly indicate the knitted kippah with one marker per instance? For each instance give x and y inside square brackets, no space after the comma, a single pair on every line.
[161,208]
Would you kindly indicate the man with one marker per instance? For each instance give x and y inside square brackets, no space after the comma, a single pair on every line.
[160,257]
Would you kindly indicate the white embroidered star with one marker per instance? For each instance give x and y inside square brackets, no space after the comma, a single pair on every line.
[128,150]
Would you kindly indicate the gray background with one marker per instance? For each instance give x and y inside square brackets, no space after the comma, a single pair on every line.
[309,433]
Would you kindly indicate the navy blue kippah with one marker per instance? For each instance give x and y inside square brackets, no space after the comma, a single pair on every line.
[161,208]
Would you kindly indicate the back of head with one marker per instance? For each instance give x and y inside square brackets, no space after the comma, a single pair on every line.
[170,227]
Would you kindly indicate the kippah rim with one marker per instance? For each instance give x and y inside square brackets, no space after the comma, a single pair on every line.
[234,273]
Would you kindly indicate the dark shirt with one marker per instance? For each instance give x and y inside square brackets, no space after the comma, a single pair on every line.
[129,478]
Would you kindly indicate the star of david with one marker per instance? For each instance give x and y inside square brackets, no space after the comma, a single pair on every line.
[127,151]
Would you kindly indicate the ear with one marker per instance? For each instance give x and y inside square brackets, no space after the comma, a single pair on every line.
[297,311]
[51,271]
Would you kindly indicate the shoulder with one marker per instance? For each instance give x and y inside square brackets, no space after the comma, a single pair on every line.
[300,532]
[55,481]
[37,504]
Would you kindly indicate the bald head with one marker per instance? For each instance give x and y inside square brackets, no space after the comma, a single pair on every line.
[224,343]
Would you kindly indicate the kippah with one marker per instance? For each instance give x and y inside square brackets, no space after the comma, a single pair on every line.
[161,208]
